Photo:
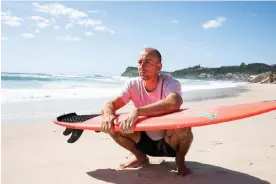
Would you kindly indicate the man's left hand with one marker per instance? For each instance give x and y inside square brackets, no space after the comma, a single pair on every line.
[127,125]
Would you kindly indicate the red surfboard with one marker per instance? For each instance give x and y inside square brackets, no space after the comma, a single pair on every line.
[183,118]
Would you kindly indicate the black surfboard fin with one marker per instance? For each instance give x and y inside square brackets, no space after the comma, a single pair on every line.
[73,118]
[67,131]
[75,135]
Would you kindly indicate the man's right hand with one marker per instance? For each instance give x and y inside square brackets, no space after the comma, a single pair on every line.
[107,123]
[108,114]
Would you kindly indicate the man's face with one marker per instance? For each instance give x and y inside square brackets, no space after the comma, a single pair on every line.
[148,65]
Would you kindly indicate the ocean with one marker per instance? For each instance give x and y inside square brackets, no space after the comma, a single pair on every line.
[24,87]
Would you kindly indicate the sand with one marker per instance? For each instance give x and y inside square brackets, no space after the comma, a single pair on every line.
[34,151]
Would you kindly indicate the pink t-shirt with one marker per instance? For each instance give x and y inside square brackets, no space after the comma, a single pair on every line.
[135,91]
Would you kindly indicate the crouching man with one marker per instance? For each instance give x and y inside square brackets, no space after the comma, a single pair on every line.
[152,94]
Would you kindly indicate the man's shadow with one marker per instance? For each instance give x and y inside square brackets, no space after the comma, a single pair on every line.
[165,173]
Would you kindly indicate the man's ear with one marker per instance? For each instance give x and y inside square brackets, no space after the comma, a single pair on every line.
[159,67]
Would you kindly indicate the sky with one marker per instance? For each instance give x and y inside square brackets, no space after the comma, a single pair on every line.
[103,38]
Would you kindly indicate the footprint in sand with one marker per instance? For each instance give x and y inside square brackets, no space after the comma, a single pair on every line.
[217,142]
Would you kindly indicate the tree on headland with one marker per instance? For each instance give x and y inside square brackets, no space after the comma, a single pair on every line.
[242,64]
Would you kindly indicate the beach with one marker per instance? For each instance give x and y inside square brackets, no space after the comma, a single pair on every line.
[34,150]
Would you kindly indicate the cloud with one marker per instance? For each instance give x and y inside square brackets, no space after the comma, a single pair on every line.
[93,11]
[68,26]
[57,9]
[89,22]
[174,21]
[10,20]
[27,35]
[89,33]
[111,31]
[75,16]
[4,38]
[214,23]
[69,38]
[100,28]
[41,22]
[103,28]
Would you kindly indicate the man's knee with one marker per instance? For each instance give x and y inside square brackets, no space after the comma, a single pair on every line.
[178,138]
[179,134]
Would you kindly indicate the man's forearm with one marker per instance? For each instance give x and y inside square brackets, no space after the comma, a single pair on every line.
[112,106]
[108,109]
[161,107]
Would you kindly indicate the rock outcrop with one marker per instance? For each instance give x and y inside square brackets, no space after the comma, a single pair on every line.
[130,72]
[264,78]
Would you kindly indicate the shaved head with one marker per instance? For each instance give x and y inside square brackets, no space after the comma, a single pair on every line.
[150,51]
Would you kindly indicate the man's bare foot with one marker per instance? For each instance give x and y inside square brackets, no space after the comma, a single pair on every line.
[135,163]
[182,170]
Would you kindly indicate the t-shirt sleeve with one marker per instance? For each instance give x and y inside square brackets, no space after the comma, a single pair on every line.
[173,86]
[125,92]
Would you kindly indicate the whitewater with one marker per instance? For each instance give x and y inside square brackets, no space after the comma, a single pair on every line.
[24,87]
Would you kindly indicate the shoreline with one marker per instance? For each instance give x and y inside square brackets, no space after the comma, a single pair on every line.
[16,111]
[242,151]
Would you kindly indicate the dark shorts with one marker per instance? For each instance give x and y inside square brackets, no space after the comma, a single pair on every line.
[154,148]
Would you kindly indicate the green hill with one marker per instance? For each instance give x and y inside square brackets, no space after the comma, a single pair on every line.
[242,72]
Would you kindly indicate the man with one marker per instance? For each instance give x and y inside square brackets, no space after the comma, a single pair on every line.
[152,94]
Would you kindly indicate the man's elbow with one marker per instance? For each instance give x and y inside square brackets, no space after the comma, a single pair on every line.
[176,106]
[175,102]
